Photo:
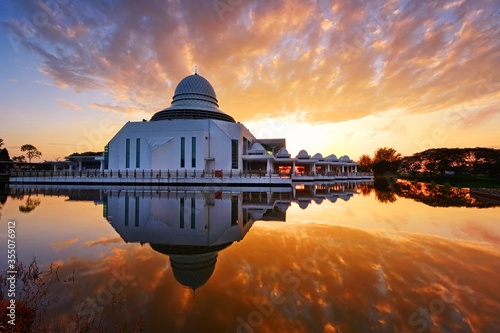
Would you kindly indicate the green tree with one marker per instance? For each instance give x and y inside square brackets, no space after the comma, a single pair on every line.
[31,151]
[385,160]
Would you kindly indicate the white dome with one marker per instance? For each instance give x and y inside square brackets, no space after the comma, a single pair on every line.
[345,158]
[303,154]
[257,147]
[283,153]
[194,98]
[331,158]
[195,87]
[318,156]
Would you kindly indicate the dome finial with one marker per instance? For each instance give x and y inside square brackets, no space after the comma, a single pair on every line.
[195,69]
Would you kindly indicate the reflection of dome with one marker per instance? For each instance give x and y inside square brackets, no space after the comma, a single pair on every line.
[194,98]
[193,271]
[192,265]
[257,214]
[303,204]
[318,200]
[282,206]
[345,197]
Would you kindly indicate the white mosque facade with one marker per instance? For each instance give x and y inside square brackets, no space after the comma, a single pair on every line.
[194,142]
[194,135]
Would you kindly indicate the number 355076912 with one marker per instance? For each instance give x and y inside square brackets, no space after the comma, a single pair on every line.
[11,242]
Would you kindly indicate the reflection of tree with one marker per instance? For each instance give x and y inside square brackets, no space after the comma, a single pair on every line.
[438,196]
[365,189]
[29,205]
[385,197]
[3,197]
[384,190]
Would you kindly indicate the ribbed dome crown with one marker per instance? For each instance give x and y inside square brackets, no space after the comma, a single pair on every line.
[195,87]
[194,98]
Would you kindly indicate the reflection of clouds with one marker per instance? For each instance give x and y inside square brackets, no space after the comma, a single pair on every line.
[104,241]
[394,221]
[58,246]
[478,231]
[321,278]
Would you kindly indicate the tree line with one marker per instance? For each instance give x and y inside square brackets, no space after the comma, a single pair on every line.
[434,162]
[30,151]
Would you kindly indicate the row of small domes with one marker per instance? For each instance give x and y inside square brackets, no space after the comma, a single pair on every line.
[283,153]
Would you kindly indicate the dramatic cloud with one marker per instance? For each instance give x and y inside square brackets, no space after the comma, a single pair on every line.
[333,60]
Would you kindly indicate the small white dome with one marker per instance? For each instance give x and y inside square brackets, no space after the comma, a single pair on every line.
[257,148]
[283,153]
[345,158]
[303,154]
[318,156]
[331,158]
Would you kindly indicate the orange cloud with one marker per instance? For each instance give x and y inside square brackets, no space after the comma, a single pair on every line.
[104,241]
[335,63]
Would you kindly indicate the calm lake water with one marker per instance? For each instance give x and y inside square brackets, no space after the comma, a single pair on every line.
[325,258]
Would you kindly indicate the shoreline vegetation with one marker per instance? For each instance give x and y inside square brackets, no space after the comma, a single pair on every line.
[37,293]
[456,167]
[453,181]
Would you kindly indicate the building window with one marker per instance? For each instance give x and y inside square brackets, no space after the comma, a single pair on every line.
[137,215]
[106,157]
[182,214]
[138,153]
[126,210]
[127,154]
[183,151]
[234,210]
[234,154]
[105,207]
[193,213]
[193,152]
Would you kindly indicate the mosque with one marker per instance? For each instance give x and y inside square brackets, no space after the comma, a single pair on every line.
[194,135]
[193,142]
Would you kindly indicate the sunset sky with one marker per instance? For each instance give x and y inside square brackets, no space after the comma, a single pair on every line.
[343,77]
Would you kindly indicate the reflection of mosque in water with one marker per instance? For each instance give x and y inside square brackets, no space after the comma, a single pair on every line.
[191,227]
